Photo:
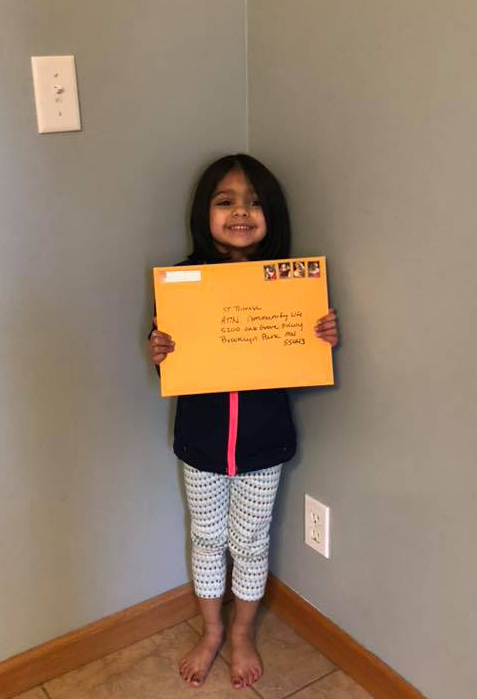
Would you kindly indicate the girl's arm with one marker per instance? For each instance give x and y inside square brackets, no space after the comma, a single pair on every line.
[326,328]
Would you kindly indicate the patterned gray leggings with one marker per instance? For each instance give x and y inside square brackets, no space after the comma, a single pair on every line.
[233,511]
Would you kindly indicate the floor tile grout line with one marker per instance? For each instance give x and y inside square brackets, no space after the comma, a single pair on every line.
[295,691]
[219,652]
[193,627]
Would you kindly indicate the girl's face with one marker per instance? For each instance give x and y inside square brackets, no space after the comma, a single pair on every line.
[236,218]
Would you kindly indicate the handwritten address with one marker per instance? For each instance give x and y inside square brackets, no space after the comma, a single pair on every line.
[251,324]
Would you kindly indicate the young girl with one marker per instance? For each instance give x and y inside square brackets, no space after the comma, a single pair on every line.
[233,445]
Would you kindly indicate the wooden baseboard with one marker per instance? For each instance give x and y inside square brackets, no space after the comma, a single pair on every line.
[68,652]
[33,667]
[381,681]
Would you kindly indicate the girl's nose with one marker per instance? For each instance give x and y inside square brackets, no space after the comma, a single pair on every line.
[240,210]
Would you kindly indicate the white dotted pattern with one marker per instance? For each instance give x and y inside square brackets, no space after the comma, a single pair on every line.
[234,512]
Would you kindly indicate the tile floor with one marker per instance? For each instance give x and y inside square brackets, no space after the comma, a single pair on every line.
[148,669]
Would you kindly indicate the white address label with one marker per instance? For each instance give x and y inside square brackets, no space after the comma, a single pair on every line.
[184,276]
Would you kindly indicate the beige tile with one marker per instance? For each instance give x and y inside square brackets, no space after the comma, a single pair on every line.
[36,693]
[80,682]
[335,686]
[147,669]
[289,661]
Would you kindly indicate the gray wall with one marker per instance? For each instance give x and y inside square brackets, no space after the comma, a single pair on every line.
[367,112]
[91,511]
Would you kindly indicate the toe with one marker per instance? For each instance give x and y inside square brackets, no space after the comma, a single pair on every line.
[196,680]
[236,682]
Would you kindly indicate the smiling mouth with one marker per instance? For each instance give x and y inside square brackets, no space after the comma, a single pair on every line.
[241,227]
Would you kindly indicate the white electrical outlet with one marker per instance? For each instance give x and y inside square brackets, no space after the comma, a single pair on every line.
[317,526]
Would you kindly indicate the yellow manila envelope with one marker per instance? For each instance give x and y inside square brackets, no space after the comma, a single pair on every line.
[243,325]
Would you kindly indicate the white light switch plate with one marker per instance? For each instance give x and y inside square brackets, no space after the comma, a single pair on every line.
[56,93]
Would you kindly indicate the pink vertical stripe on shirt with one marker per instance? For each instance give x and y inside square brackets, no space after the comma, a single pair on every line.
[233,427]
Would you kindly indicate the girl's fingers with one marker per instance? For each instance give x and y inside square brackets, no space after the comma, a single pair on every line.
[331,338]
[326,324]
[328,316]
[160,340]
[162,349]
[320,332]
[326,328]
[157,335]
[327,334]
[160,355]
[160,344]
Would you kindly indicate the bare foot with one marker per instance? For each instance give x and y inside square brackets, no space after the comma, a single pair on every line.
[245,663]
[195,666]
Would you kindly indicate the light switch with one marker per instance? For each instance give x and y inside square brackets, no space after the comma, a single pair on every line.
[56,93]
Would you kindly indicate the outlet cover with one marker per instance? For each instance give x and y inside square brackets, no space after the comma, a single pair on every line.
[317,526]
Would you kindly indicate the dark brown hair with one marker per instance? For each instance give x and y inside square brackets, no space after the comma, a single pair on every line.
[276,243]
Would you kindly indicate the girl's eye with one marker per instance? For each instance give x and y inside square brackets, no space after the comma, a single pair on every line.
[228,202]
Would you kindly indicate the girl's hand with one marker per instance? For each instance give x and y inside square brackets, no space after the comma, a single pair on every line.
[160,344]
[326,328]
